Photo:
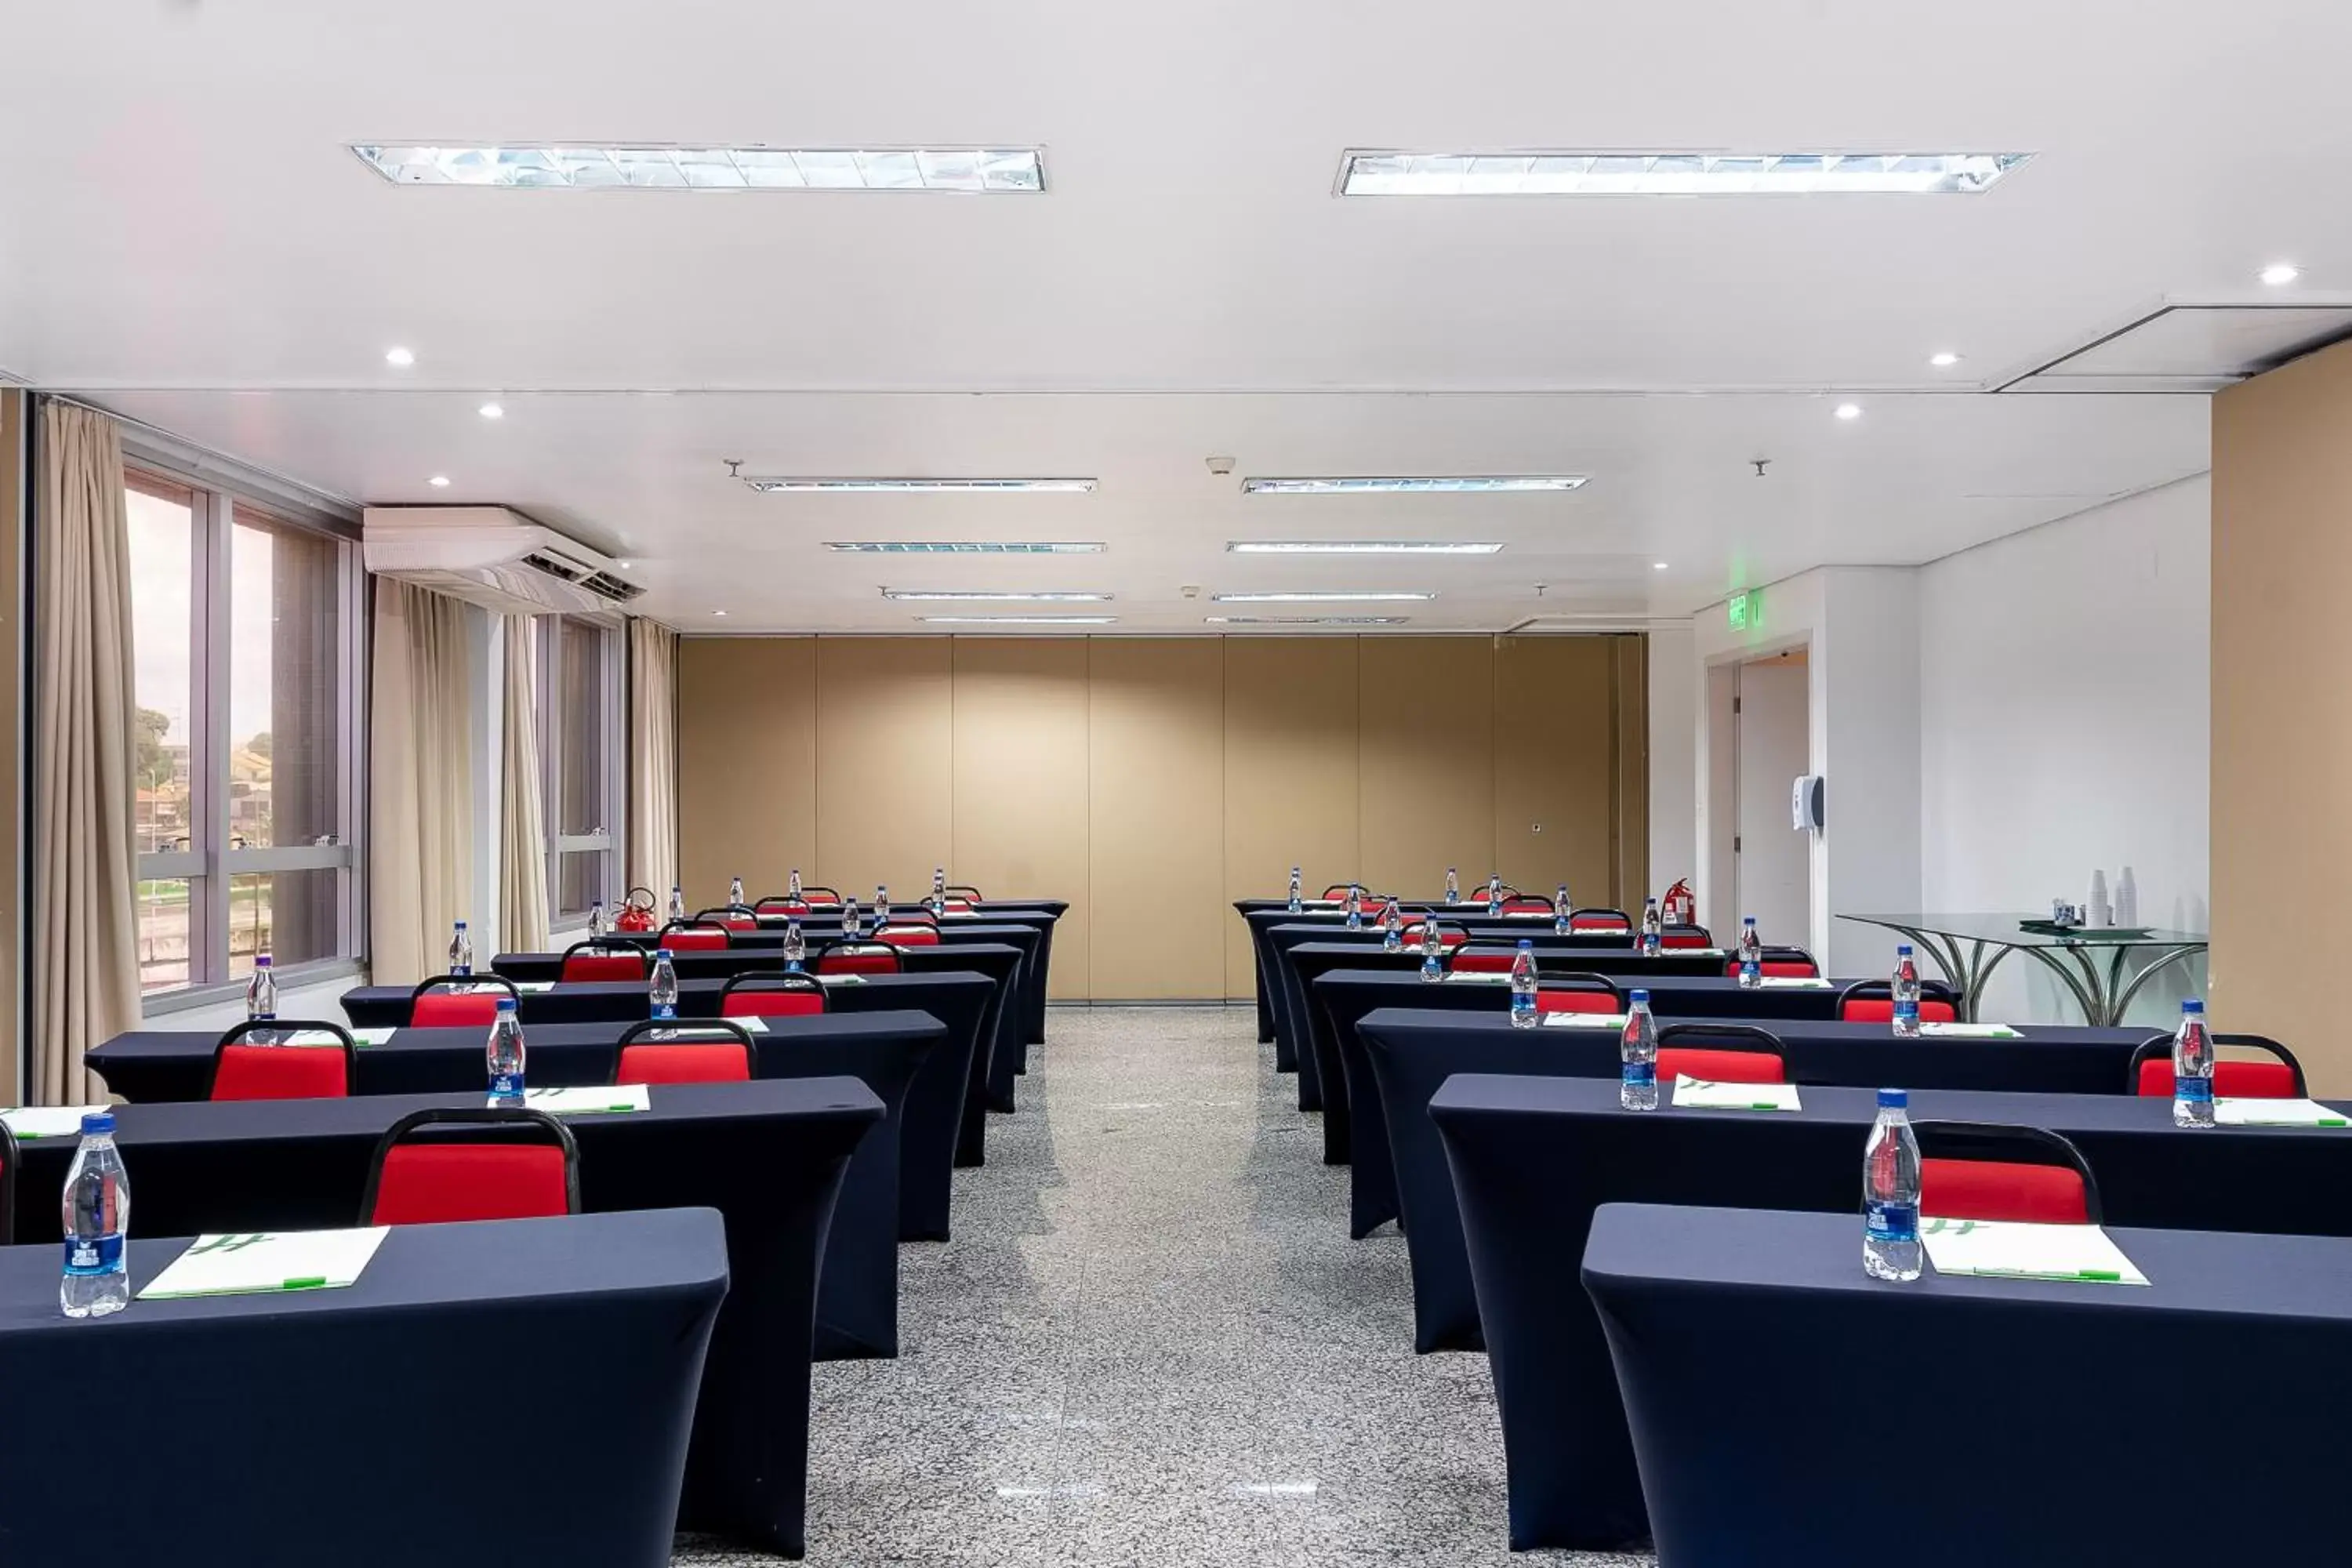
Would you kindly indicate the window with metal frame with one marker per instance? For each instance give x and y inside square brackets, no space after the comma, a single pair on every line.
[581,746]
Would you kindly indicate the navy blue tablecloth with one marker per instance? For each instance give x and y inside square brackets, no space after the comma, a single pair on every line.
[769,1156]
[1400,1173]
[1786,1408]
[857,1310]
[1533,1158]
[514,1392]
[970,1003]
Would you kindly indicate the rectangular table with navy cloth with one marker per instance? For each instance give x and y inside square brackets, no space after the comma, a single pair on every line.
[1954,1423]
[483,1394]
[1534,1158]
[1399,1171]
[1040,915]
[969,1002]
[857,1302]
[769,1156]
[1340,998]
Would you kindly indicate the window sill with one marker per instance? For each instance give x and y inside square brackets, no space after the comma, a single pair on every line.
[162,1004]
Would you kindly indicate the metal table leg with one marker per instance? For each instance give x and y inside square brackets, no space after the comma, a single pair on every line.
[2106,998]
[1966,973]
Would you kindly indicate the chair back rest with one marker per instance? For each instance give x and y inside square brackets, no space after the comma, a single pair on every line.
[1684,936]
[1970,1169]
[2281,1079]
[1599,920]
[700,1050]
[245,1067]
[456,1000]
[9,1155]
[903,935]
[858,958]
[1740,1053]
[602,959]
[1787,963]
[1448,936]
[1872,1001]
[959,896]
[729,917]
[1474,959]
[477,1162]
[1576,993]
[772,996]
[694,936]
[1527,904]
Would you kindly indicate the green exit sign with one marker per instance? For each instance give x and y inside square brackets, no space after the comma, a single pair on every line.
[1747,610]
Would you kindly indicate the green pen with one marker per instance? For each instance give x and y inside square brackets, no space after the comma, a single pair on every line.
[309,1282]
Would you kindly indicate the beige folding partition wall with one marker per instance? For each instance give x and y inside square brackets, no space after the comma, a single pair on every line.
[1151,781]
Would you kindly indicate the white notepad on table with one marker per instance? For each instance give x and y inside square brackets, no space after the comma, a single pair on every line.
[2276,1113]
[1584,1020]
[534,987]
[592,1100]
[382,1036]
[1479,977]
[2013,1249]
[48,1120]
[1793,983]
[259,1263]
[1704,1094]
[1968,1032]
[841,980]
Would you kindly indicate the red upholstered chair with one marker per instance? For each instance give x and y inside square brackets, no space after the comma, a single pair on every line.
[1527,904]
[957,894]
[248,1069]
[1475,958]
[9,1155]
[1872,1001]
[1743,1054]
[478,1162]
[772,995]
[1576,992]
[455,1001]
[1337,891]
[858,958]
[1786,963]
[2282,1079]
[604,958]
[694,936]
[903,933]
[700,1050]
[1970,1169]
[729,917]
[1682,936]
[1449,936]
[1599,920]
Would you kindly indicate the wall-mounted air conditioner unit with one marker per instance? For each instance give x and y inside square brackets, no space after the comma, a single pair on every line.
[489,556]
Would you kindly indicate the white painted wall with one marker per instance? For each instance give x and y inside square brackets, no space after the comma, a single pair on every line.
[2064,719]
[1674,767]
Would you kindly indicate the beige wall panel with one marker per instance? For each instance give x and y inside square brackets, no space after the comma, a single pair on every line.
[1425,762]
[746,764]
[1021,783]
[1155,817]
[885,772]
[1557,770]
[2282,737]
[1290,776]
[1629,657]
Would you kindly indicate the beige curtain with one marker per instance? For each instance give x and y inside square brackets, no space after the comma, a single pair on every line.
[522,847]
[85,956]
[653,757]
[420,771]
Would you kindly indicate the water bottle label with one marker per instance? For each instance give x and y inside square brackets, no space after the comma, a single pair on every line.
[2196,1090]
[461,969]
[1906,1011]
[1892,1222]
[94,1254]
[665,1010]
[1747,972]
[1641,1074]
[506,1086]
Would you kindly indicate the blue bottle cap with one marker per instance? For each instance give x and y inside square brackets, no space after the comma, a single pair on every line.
[661,952]
[1903,949]
[1641,998]
[506,1004]
[2192,1004]
[1894,1099]
[1526,943]
[98,1121]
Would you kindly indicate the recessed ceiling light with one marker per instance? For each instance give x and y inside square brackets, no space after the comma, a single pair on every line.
[399,358]
[995,598]
[2280,273]
[625,565]
[963,547]
[1944,359]
[1657,566]
[1315,598]
[1361,547]
[1307,620]
[783,484]
[1018,620]
[992,171]
[1671,173]
[439,481]
[718,612]
[491,411]
[1849,410]
[1425,484]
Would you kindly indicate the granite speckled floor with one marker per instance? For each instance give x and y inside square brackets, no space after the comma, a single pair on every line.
[1151,1342]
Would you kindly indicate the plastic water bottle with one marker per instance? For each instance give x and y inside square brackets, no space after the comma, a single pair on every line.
[795,944]
[662,990]
[261,991]
[1653,932]
[97,1207]
[939,889]
[2192,1069]
[1452,887]
[1890,1192]
[734,892]
[596,919]
[504,1054]
[1904,988]
[1494,893]
[1433,951]
[1559,910]
[881,908]
[1297,903]
[1355,907]
[1523,986]
[676,902]
[461,952]
[1392,927]
[852,923]
[792,885]
[1751,955]
[1637,1055]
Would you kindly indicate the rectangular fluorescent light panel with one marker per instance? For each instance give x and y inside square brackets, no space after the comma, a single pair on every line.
[1018,620]
[1011,171]
[1307,620]
[1314,598]
[1429,484]
[1672,174]
[775,485]
[1361,547]
[996,598]
[963,547]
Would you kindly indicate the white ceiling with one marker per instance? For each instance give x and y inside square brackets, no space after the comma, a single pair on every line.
[183,236]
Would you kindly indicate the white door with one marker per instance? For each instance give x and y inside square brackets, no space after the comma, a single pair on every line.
[1774,871]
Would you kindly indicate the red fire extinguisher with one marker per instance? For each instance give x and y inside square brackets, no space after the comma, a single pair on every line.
[1681,907]
[634,914]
